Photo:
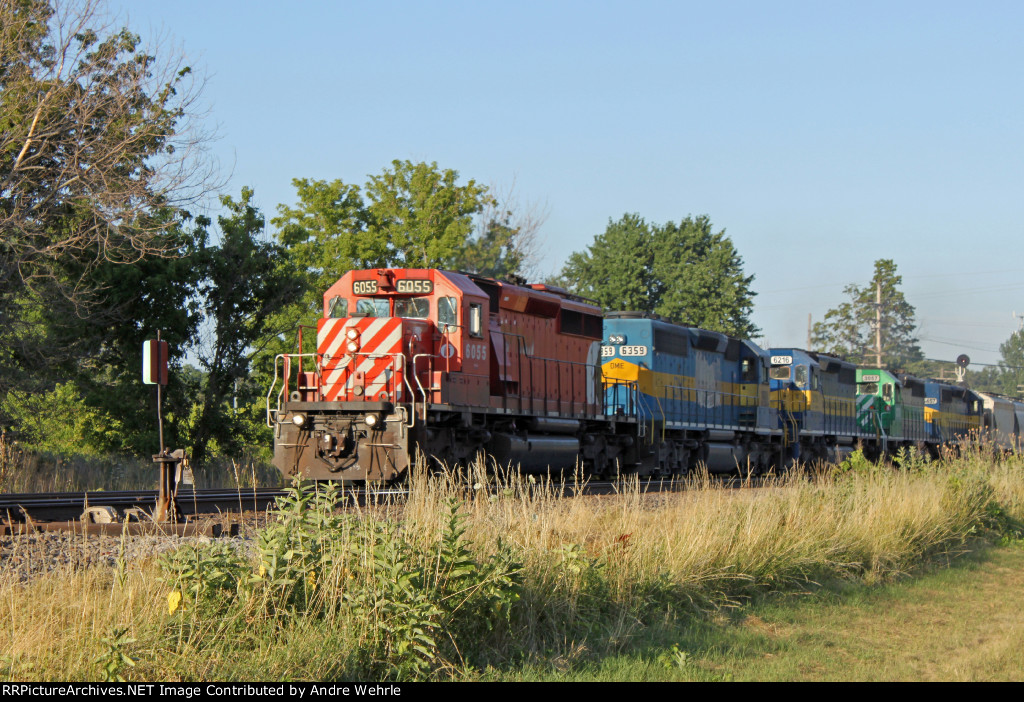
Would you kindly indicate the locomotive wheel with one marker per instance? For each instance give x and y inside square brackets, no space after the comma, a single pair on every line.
[613,469]
[604,469]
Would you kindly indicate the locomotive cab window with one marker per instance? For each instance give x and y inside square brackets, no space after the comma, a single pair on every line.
[779,373]
[338,308]
[800,376]
[373,307]
[887,392]
[867,388]
[476,319]
[748,371]
[447,313]
[412,307]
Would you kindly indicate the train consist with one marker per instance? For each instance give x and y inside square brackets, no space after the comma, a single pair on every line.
[451,365]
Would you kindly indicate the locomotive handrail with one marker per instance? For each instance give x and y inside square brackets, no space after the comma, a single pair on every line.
[629,405]
[707,406]
[284,384]
[300,354]
[416,377]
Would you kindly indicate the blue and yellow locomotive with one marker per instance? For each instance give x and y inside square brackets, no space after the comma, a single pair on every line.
[703,398]
[699,396]
[814,396]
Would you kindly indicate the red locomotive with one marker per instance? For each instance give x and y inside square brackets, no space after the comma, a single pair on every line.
[448,365]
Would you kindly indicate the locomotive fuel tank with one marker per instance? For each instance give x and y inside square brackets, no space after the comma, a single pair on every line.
[534,453]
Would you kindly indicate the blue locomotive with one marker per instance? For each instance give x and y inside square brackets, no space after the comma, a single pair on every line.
[700,397]
[815,397]
[703,398]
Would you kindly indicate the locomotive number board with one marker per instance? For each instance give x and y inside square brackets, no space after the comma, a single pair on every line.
[782,360]
[364,287]
[419,286]
[632,350]
[608,351]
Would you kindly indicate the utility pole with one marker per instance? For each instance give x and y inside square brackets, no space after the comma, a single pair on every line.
[1020,321]
[878,323]
[808,347]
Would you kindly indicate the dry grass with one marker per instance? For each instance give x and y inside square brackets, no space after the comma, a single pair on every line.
[594,572]
[875,523]
[22,471]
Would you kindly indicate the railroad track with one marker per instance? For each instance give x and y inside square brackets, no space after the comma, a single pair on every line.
[66,506]
[211,511]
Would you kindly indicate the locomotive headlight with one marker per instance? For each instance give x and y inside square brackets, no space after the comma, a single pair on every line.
[298,419]
[371,420]
[352,346]
[352,334]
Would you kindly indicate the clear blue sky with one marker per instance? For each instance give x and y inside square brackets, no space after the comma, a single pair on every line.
[820,135]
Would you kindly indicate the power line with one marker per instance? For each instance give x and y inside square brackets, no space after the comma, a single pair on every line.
[977,363]
[956,343]
[1005,286]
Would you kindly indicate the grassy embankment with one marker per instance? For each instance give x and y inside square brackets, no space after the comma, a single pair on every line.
[509,586]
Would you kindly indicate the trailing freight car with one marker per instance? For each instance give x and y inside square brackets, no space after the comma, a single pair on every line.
[1002,421]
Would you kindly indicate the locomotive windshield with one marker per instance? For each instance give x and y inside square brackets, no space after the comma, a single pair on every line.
[373,307]
[412,307]
[447,313]
[779,373]
[338,308]
[408,307]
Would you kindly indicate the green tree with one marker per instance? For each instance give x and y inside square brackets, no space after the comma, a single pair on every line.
[1009,374]
[616,271]
[413,215]
[493,252]
[684,272]
[701,280]
[94,357]
[241,291]
[505,243]
[323,236]
[95,142]
[422,213]
[99,150]
[849,330]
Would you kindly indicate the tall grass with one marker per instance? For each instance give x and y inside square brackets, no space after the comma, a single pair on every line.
[25,471]
[459,580]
